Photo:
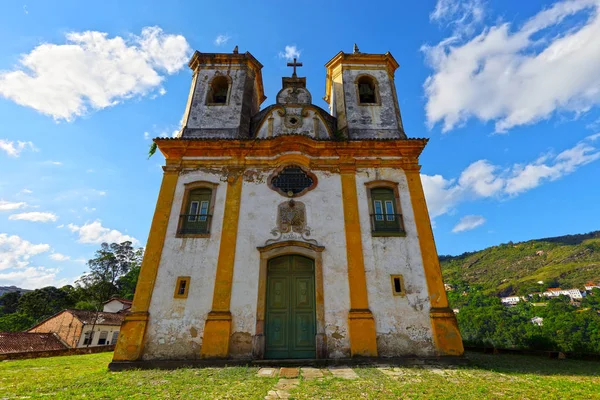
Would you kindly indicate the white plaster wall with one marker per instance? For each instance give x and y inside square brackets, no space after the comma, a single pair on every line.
[97,330]
[325,217]
[113,306]
[402,323]
[176,326]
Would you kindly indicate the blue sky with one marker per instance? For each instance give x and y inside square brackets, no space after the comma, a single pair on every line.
[508,91]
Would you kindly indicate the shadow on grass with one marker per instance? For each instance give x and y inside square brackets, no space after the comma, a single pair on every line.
[523,364]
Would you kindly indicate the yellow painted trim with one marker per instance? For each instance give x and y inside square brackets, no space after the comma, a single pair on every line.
[217,328]
[363,340]
[446,335]
[130,344]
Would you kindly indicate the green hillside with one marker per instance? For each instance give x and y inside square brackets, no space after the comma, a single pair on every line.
[515,268]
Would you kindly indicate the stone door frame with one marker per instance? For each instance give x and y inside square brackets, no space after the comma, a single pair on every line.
[291,247]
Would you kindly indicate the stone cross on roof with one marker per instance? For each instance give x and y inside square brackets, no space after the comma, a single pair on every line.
[294,64]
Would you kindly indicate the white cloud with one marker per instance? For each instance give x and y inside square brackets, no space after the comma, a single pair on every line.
[441,194]
[59,257]
[34,278]
[517,77]
[92,71]
[15,150]
[468,222]
[34,216]
[290,53]
[222,39]
[9,205]
[26,191]
[55,162]
[94,232]
[146,135]
[482,179]
[461,15]
[16,252]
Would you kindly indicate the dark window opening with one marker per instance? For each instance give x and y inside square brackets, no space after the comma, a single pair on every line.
[102,338]
[292,180]
[182,285]
[88,338]
[366,90]
[219,89]
[397,285]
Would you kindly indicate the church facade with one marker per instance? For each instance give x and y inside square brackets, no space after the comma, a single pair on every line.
[290,232]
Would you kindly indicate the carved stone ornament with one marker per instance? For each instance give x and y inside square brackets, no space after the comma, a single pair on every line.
[292,181]
[291,223]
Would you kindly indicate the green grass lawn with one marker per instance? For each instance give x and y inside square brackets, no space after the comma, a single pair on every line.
[488,377]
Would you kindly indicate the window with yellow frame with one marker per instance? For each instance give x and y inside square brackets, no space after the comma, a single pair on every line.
[182,287]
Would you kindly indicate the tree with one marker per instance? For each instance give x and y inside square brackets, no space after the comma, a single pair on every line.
[16,322]
[9,303]
[109,271]
[42,303]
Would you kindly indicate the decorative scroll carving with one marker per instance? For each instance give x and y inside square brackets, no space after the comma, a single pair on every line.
[291,223]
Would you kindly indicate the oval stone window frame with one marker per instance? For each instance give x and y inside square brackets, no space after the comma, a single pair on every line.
[290,194]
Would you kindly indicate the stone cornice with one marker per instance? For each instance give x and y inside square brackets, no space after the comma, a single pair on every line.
[292,148]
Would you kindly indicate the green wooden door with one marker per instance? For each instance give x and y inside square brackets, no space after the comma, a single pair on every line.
[290,315]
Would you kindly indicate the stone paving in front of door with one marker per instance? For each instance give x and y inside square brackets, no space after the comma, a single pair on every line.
[290,378]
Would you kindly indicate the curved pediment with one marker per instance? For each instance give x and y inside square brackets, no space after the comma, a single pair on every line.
[293,119]
[294,95]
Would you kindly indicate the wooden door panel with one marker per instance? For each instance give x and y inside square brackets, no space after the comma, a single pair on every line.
[303,292]
[290,326]
[304,332]
[278,330]
[278,293]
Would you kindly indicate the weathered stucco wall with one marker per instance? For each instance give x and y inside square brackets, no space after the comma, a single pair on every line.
[226,120]
[402,323]
[325,217]
[371,121]
[176,325]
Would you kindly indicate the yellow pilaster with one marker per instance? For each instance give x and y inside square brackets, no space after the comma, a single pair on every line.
[363,341]
[446,335]
[217,329]
[131,337]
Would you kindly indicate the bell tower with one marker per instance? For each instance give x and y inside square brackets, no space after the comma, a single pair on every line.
[362,96]
[227,90]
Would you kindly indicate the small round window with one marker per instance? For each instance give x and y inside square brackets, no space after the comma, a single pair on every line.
[292,181]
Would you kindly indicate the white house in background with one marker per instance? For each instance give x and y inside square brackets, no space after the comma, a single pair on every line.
[75,327]
[574,294]
[511,300]
[591,285]
[539,321]
[116,305]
